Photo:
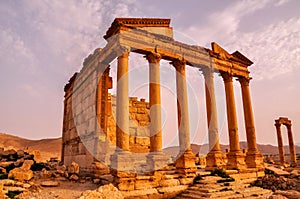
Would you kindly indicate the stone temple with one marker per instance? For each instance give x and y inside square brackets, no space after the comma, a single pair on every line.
[122,135]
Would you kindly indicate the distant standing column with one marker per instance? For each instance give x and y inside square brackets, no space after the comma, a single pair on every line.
[155,102]
[122,110]
[235,156]
[280,143]
[291,144]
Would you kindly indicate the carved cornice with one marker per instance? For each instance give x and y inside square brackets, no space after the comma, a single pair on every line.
[135,22]
[153,57]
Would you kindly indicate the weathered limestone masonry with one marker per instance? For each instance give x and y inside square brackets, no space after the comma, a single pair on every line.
[128,143]
[286,122]
[73,147]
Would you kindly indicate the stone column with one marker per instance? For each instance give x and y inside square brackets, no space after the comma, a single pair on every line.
[121,160]
[155,102]
[215,158]
[235,157]
[280,143]
[122,109]
[156,159]
[291,144]
[254,158]
[185,162]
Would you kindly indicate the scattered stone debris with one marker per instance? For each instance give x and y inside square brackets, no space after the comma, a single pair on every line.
[49,183]
[275,183]
[104,192]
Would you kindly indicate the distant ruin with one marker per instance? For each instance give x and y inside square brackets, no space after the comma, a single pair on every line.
[286,122]
[129,145]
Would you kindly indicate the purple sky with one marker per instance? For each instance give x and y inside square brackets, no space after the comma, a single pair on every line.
[42,43]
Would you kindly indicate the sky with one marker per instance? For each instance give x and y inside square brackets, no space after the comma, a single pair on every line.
[42,43]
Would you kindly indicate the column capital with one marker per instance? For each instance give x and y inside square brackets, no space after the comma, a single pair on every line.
[153,57]
[244,81]
[278,125]
[227,77]
[208,73]
[179,64]
[122,51]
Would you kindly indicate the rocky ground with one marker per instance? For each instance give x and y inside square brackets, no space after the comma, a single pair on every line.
[22,175]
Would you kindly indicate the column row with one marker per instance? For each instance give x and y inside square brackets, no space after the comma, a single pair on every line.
[156,158]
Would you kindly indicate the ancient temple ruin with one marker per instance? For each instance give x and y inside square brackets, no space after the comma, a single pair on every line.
[129,144]
[286,122]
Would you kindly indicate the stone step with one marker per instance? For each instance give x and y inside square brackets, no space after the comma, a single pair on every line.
[217,187]
[190,195]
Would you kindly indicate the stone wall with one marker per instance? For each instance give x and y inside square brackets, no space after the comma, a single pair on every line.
[89,127]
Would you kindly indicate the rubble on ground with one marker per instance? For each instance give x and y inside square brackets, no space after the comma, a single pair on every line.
[104,192]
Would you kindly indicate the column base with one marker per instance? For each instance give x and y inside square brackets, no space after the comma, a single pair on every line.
[215,160]
[185,164]
[236,161]
[157,161]
[122,161]
[254,159]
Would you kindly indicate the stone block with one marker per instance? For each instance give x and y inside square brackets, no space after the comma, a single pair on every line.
[143,141]
[142,117]
[169,183]
[27,164]
[126,185]
[49,183]
[20,174]
[133,110]
[186,181]
[141,110]
[74,177]
[143,132]
[74,168]
[145,184]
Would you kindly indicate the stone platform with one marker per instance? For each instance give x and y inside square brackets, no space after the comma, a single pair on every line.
[170,184]
[209,187]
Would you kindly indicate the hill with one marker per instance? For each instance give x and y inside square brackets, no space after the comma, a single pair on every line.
[52,147]
[47,147]
[203,149]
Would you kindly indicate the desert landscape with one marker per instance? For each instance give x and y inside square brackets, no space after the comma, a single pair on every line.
[132,99]
[49,178]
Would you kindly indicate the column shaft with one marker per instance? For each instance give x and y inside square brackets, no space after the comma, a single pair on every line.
[182,106]
[248,115]
[185,162]
[155,102]
[291,145]
[211,109]
[122,111]
[280,143]
[231,114]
